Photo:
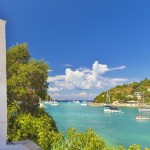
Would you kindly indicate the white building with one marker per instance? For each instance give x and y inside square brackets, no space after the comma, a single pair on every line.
[138,95]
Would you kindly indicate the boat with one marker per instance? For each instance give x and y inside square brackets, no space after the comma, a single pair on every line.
[84,103]
[144,107]
[47,102]
[141,118]
[42,105]
[54,103]
[110,108]
[76,101]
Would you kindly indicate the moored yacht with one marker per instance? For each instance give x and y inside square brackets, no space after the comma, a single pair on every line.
[54,103]
[142,118]
[110,108]
[47,102]
[76,101]
[84,104]
[144,109]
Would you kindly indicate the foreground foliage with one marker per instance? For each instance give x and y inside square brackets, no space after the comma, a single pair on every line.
[27,84]
[41,129]
[74,140]
[87,140]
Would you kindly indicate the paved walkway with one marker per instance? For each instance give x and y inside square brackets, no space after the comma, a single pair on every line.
[22,145]
[29,145]
[14,147]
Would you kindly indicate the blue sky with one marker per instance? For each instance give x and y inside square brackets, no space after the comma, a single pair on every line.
[91,45]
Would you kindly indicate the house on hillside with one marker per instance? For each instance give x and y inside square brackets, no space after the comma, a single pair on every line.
[138,95]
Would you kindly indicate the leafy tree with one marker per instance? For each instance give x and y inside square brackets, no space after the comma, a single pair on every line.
[135,85]
[74,140]
[134,147]
[16,55]
[27,78]
[40,129]
[26,84]
[120,148]
[49,98]
[101,98]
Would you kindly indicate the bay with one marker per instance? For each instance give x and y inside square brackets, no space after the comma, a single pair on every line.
[115,128]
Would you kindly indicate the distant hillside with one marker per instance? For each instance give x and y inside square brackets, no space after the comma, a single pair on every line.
[127,92]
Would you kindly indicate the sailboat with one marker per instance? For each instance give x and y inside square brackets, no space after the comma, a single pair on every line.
[144,108]
[108,107]
[84,103]
[54,103]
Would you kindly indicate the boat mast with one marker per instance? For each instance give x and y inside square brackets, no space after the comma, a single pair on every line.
[143,98]
[108,97]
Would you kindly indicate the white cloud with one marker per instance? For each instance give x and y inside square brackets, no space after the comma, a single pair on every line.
[56,78]
[99,69]
[74,96]
[118,68]
[55,95]
[84,78]
[53,89]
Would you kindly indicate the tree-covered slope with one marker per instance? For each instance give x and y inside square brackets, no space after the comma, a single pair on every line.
[126,92]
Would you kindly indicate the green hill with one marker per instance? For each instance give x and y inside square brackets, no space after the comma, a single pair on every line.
[127,92]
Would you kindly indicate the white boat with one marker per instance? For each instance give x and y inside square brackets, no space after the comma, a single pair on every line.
[110,108]
[47,102]
[142,118]
[144,108]
[54,103]
[77,102]
[42,105]
[84,104]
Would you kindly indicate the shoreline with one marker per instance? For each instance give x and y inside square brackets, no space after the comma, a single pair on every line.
[115,104]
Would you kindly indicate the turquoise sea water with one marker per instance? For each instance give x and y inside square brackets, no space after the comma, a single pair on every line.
[115,128]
